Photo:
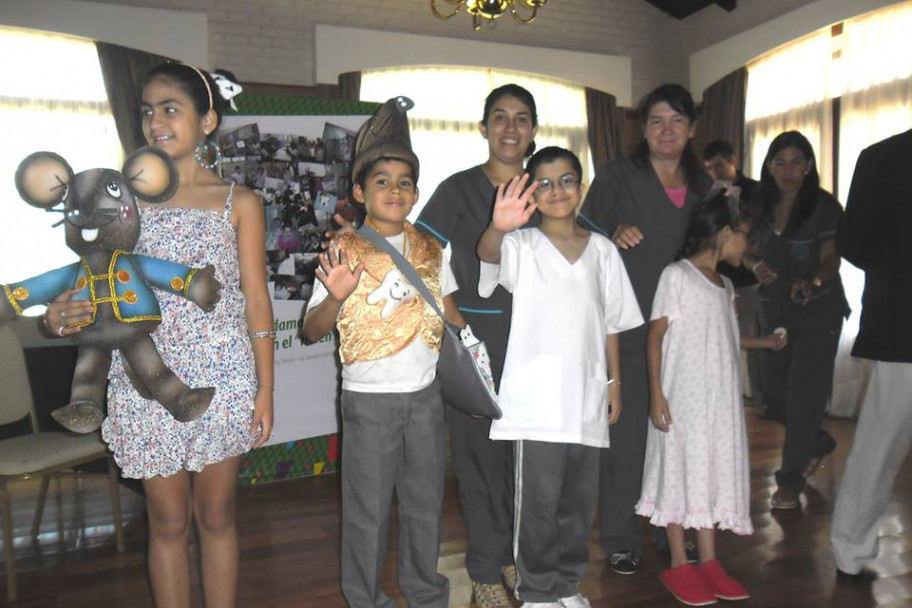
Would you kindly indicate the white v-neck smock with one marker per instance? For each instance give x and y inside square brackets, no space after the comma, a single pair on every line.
[555,380]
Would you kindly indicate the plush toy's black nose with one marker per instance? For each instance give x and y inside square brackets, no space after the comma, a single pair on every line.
[77,217]
[93,219]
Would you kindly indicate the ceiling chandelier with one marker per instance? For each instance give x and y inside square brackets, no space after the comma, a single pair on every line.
[523,11]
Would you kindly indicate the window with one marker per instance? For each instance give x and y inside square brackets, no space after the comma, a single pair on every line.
[786,91]
[850,84]
[52,97]
[449,103]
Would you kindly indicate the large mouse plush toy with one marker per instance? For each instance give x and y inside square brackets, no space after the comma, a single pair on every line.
[101,221]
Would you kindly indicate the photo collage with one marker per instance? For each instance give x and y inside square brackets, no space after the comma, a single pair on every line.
[304,182]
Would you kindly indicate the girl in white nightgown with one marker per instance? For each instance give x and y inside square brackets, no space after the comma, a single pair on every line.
[696,473]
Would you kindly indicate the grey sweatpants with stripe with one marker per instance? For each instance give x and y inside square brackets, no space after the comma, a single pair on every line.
[556,498]
[392,441]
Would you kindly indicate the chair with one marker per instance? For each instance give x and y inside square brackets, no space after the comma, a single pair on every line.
[38,454]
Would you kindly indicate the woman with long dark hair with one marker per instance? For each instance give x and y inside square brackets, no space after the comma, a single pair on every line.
[642,203]
[794,258]
[457,214]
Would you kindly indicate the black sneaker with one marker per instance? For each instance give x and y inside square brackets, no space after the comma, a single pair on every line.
[689,548]
[692,555]
[624,562]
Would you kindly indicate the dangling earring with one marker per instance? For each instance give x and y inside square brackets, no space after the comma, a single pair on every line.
[207,154]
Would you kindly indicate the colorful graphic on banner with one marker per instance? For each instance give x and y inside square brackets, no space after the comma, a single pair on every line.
[301,458]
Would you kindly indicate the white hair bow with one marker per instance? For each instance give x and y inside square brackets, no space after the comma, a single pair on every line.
[732,195]
[731,190]
[227,88]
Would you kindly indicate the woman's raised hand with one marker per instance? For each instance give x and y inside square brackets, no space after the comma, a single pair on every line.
[513,206]
[336,274]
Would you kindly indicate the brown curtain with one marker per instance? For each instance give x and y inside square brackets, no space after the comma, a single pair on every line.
[123,70]
[605,141]
[723,112]
[350,86]
[327,91]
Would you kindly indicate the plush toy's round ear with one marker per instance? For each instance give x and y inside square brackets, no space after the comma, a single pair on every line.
[150,175]
[42,179]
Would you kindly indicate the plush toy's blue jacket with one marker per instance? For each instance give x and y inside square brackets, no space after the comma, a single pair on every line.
[129,277]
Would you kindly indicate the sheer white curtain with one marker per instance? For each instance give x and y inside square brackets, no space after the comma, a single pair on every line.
[869,67]
[876,89]
[52,97]
[449,102]
[787,90]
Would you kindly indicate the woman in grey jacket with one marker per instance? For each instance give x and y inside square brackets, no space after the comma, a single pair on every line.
[642,203]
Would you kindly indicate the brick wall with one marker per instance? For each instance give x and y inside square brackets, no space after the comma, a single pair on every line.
[272,41]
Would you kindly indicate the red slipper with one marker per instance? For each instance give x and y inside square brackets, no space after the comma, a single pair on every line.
[688,585]
[723,586]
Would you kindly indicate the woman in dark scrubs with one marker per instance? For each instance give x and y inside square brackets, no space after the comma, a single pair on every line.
[642,203]
[456,214]
[794,258]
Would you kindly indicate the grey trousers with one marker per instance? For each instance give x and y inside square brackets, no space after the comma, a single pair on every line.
[621,466]
[883,438]
[484,470]
[556,499]
[392,441]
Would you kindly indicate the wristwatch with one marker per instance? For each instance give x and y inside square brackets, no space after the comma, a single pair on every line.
[816,282]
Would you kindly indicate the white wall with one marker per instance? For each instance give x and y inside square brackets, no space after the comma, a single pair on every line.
[342,49]
[178,34]
[274,41]
[714,62]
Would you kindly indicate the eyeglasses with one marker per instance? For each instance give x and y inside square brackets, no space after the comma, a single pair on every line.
[567,183]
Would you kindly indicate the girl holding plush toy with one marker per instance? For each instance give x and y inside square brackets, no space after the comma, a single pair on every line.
[189,469]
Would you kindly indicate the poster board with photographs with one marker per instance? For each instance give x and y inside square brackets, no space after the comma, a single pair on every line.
[299,164]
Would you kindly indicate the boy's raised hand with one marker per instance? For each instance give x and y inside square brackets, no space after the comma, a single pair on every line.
[336,274]
[513,206]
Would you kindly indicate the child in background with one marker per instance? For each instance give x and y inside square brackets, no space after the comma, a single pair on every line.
[392,412]
[696,473]
[571,297]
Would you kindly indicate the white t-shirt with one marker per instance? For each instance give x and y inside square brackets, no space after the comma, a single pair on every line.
[555,379]
[412,368]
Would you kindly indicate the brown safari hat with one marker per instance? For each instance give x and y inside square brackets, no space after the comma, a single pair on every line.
[385,135]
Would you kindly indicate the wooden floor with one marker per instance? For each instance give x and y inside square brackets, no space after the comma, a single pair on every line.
[290,538]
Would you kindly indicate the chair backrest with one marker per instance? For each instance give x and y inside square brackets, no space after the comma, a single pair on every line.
[15,390]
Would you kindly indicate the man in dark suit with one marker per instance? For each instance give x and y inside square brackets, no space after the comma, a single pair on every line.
[875,237]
